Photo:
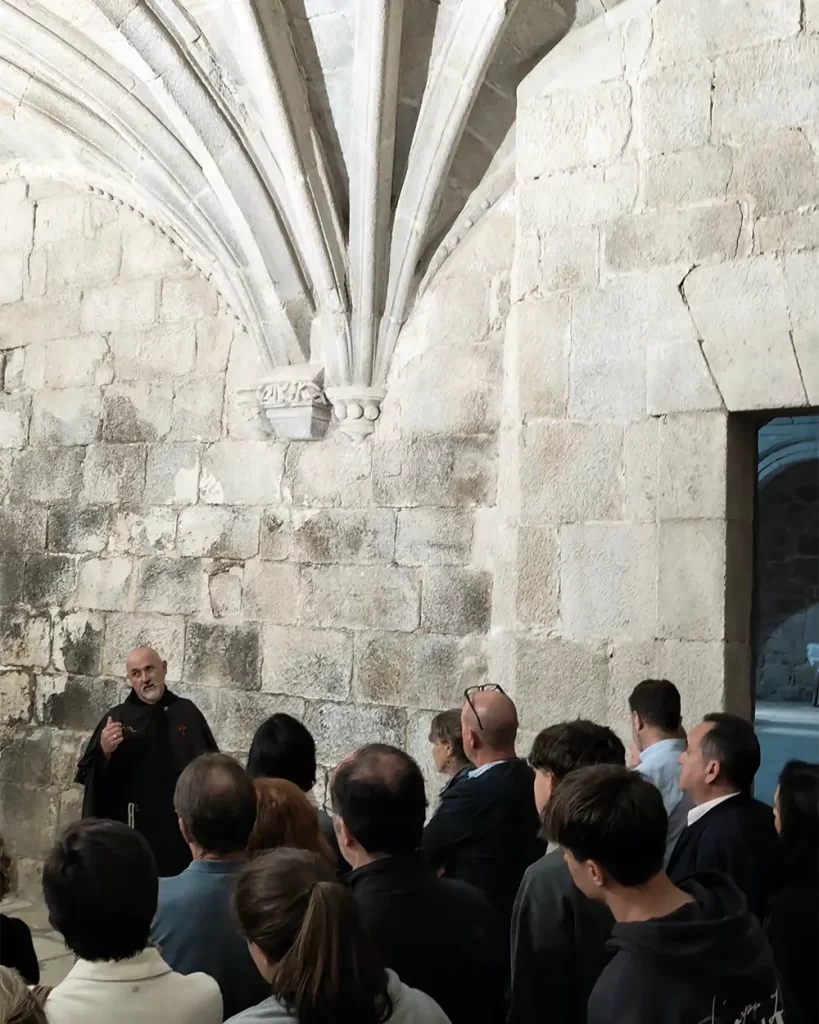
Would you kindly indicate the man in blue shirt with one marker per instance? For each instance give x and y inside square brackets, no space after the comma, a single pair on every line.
[658,735]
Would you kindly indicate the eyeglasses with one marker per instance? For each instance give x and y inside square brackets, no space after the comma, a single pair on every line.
[483,688]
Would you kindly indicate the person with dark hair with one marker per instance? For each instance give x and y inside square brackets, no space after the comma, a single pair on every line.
[285,817]
[16,944]
[216,804]
[727,829]
[792,925]
[448,747]
[485,830]
[656,726]
[379,802]
[307,940]
[282,748]
[18,1005]
[683,953]
[558,936]
[100,886]
[135,755]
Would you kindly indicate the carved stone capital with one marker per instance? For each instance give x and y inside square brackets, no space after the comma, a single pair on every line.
[356,408]
[293,402]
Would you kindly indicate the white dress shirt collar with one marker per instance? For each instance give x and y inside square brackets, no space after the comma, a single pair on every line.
[702,809]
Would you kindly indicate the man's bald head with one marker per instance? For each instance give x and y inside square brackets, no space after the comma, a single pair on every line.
[146,673]
[489,725]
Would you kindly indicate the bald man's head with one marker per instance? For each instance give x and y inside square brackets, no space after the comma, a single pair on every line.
[489,726]
[146,673]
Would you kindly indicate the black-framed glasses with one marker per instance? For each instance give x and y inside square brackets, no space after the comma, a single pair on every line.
[482,688]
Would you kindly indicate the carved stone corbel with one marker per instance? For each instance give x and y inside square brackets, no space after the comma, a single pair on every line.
[293,402]
[356,408]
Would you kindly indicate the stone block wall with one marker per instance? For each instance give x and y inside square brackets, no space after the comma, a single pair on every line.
[141,503]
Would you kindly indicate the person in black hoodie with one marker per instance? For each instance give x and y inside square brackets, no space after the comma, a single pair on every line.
[792,925]
[485,830]
[558,936]
[683,954]
[728,830]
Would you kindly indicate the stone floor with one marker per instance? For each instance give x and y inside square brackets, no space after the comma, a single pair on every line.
[55,961]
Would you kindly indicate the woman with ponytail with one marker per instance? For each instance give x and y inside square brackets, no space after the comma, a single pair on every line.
[307,940]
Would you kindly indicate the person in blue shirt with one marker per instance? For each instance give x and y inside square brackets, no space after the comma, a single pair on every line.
[656,724]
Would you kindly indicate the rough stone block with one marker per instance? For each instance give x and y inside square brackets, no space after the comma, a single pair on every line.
[684,30]
[172,474]
[143,246]
[271,592]
[658,238]
[640,453]
[15,412]
[329,474]
[340,729]
[187,298]
[313,663]
[360,597]
[143,531]
[77,362]
[106,584]
[242,473]
[578,128]
[456,601]
[70,416]
[741,313]
[16,225]
[691,588]
[16,698]
[542,329]
[154,353]
[84,261]
[568,259]
[241,713]
[82,529]
[118,306]
[788,232]
[6,461]
[766,87]
[570,472]
[138,411]
[218,532]
[219,655]
[776,171]
[587,196]
[197,410]
[690,176]
[439,471]
[692,466]
[165,633]
[49,580]
[213,341]
[674,107]
[15,361]
[274,542]
[558,680]
[171,586]
[538,576]
[225,590]
[678,379]
[24,640]
[76,644]
[47,474]
[60,217]
[433,536]
[335,535]
[11,579]
[76,702]
[11,277]
[26,757]
[22,528]
[697,670]
[416,670]
[801,277]
[113,473]
[40,319]
[608,580]
[29,820]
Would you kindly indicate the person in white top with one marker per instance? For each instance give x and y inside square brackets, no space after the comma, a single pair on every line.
[307,939]
[100,885]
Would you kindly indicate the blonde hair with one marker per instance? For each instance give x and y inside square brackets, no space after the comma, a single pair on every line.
[285,817]
[17,1004]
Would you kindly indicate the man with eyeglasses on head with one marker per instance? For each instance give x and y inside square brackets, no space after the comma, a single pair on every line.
[485,830]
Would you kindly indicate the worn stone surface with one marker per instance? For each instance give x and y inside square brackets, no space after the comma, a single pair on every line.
[369,597]
[455,601]
[217,654]
[312,663]
[334,535]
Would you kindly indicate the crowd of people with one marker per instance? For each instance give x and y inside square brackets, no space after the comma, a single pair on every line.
[564,888]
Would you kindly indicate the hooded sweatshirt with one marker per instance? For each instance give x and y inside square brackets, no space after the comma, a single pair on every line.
[707,963]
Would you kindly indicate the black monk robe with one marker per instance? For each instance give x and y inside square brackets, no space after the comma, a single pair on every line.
[136,784]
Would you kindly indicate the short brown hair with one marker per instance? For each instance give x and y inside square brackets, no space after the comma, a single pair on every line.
[285,817]
[445,727]
[217,802]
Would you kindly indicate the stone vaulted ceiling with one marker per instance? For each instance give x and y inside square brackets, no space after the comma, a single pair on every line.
[316,158]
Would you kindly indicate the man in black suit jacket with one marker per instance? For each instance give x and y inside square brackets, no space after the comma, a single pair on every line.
[485,830]
[727,829]
[435,933]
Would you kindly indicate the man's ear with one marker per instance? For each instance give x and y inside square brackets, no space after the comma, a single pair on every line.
[712,770]
[597,874]
[345,837]
[164,666]
[636,721]
[183,828]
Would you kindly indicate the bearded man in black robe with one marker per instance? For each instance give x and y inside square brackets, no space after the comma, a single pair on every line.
[137,752]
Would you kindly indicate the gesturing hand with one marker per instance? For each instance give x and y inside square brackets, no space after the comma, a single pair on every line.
[111,737]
